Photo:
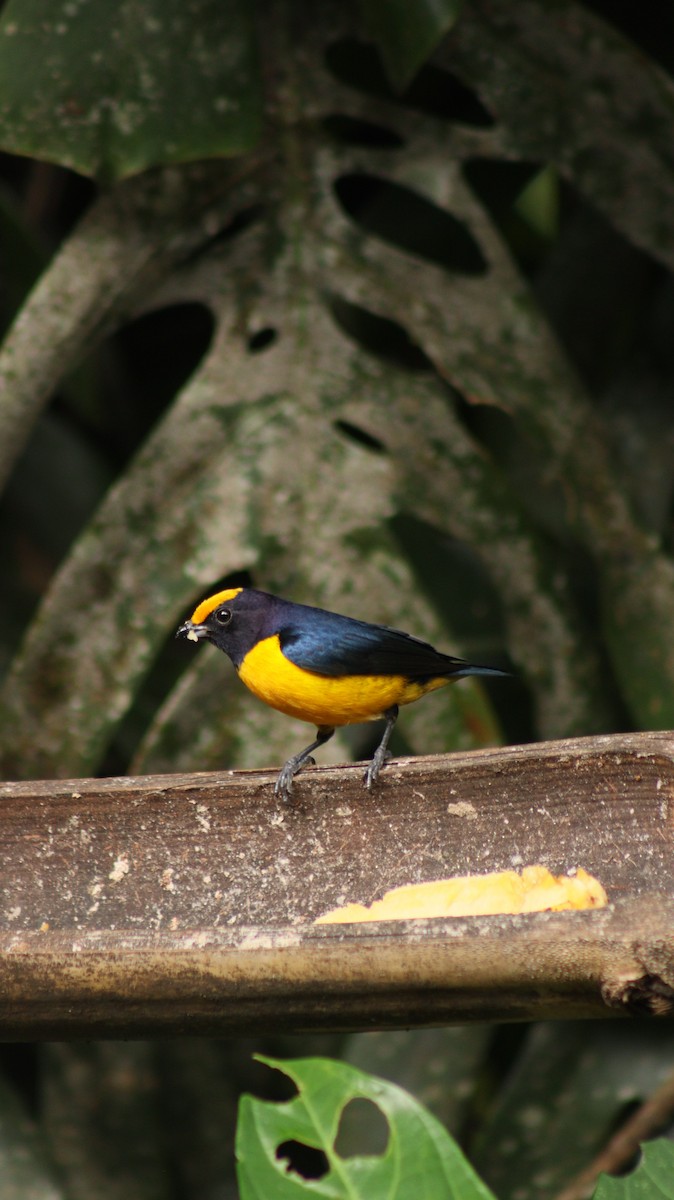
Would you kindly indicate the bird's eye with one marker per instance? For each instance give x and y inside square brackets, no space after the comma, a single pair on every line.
[223,616]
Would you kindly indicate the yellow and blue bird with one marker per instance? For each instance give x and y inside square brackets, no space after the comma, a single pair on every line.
[322,667]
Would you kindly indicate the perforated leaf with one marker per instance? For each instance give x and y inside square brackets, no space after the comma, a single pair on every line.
[420,1158]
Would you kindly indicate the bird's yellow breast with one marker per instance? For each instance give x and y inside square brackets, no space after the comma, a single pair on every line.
[323,699]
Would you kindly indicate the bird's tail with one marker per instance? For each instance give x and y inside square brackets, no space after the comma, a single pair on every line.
[474,669]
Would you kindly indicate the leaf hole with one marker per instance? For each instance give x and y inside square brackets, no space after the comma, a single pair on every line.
[354,132]
[433,90]
[499,182]
[307,1161]
[379,335]
[154,355]
[262,339]
[405,219]
[361,436]
[363,1129]
[528,202]
[441,94]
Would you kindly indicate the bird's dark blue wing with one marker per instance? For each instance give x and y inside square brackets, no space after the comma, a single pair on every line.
[333,645]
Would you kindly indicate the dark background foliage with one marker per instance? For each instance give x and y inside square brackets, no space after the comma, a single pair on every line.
[373,309]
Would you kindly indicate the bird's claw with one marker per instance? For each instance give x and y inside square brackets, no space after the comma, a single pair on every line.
[372,774]
[284,784]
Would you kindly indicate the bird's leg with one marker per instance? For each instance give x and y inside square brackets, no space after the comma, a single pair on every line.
[284,783]
[381,753]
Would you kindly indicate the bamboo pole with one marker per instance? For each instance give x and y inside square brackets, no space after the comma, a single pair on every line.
[185,903]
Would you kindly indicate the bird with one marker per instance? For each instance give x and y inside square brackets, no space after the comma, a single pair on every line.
[324,668]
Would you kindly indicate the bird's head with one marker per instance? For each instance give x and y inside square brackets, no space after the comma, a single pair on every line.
[232,620]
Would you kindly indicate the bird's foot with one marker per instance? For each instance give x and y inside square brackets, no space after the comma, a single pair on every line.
[372,774]
[284,784]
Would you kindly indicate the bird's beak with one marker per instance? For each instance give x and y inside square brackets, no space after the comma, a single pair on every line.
[193,633]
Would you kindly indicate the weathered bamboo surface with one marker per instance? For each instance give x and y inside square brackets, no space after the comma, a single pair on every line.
[185,903]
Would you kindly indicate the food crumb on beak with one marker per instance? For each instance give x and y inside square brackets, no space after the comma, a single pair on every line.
[192,636]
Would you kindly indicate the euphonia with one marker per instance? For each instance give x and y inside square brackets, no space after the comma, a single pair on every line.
[322,667]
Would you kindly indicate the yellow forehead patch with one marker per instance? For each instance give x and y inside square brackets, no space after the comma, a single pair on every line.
[206,607]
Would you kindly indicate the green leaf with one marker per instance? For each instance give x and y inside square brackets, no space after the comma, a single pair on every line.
[653,1179]
[538,204]
[407,34]
[110,90]
[420,1158]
